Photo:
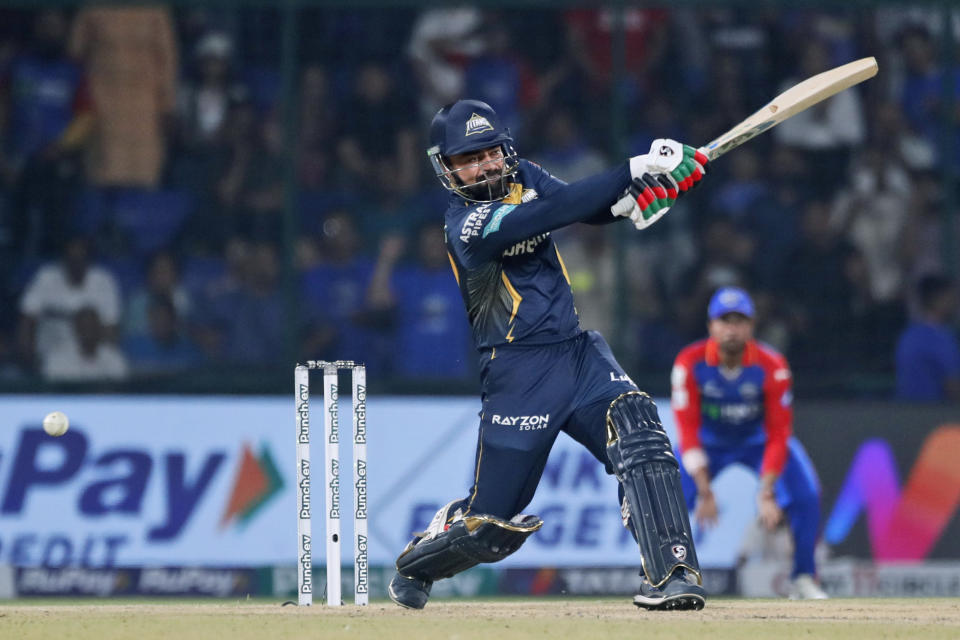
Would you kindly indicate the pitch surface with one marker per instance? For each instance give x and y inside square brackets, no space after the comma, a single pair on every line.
[553,619]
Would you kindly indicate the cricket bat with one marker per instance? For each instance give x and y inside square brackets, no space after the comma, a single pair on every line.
[793,101]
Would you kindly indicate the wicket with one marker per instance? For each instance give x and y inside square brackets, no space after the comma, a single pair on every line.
[331,443]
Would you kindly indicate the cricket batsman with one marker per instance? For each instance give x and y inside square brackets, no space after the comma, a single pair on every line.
[535,360]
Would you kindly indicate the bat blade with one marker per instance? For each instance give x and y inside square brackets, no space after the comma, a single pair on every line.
[791,102]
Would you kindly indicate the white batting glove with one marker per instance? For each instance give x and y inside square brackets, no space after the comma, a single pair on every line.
[646,200]
[685,165]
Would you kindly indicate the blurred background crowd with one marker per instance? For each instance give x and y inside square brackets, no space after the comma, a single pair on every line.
[196,198]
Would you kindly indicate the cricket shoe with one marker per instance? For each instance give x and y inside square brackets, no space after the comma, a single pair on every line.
[678,593]
[805,588]
[409,593]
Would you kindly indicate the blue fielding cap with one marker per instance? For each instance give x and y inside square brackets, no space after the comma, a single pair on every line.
[730,300]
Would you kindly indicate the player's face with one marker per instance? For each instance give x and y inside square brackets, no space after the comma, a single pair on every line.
[480,173]
[478,166]
[731,332]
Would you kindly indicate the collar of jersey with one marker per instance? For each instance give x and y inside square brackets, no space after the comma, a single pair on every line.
[751,354]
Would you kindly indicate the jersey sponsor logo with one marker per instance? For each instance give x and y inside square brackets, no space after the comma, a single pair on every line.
[523,423]
[526,246]
[712,390]
[477,124]
[735,412]
[473,222]
[749,390]
[620,377]
[498,215]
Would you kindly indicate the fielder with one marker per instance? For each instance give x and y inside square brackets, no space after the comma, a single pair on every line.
[732,400]
[536,361]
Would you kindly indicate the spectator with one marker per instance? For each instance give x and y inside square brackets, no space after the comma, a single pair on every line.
[500,77]
[336,295]
[89,356]
[45,115]
[745,188]
[873,214]
[244,325]
[130,55]
[203,110]
[429,311]
[318,117]
[590,33]
[163,280]
[928,355]
[442,41]
[53,297]
[250,182]
[162,348]
[827,132]
[817,290]
[923,90]
[566,151]
[378,147]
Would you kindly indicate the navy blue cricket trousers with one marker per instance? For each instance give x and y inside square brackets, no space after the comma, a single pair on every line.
[530,394]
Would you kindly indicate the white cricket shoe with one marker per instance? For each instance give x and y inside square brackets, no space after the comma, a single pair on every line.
[804,588]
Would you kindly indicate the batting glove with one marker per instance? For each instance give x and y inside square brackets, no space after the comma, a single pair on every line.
[646,200]
[684,164]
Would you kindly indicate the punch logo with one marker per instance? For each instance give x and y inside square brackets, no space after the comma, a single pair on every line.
[665,151]
[303,415]
[305,489]
[360,416]
[335,489]
[334,416]
[363,572]
[361,490]
[256,481]
[679,552]
[306,565]
[477,124]
[524,423]
[901,525]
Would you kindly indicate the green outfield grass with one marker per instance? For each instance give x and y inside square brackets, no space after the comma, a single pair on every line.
[549,618]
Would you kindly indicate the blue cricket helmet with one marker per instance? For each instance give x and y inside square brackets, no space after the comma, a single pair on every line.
[462,127]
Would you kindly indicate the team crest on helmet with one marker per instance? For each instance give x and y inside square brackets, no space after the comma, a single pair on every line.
[680,552]
[477,124]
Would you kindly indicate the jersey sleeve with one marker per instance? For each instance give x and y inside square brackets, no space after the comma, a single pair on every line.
[778,407]
[485,230]
[685,401]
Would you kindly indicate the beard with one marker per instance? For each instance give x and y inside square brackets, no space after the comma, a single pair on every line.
[491,187]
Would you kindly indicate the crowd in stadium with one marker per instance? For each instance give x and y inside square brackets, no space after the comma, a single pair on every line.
[145,161]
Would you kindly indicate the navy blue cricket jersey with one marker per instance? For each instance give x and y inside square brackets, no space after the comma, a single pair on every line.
[510,272]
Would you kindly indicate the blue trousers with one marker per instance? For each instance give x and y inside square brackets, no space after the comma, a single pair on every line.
[797,492]
[530,394]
